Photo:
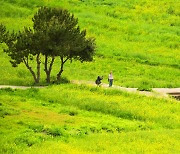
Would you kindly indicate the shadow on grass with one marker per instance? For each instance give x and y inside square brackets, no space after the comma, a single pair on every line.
[63,80]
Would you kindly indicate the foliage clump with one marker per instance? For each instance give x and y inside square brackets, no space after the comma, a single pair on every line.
[55,34]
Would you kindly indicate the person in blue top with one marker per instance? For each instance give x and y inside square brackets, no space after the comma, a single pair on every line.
[110,79]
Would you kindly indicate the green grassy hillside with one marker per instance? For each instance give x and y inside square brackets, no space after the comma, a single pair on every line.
[138,40]
[80,119]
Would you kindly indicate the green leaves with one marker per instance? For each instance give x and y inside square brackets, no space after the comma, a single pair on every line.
[3,33]
[55,33]
[62,38]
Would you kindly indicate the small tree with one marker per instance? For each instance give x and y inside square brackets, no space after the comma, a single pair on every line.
[63,38]
[55,34]
[22,49]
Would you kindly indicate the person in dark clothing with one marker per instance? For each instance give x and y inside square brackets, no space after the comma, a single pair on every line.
[98,80]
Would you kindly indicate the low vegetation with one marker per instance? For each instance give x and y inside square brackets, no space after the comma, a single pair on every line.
[137,40]
[79,119]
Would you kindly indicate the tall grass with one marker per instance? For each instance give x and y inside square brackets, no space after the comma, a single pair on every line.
[86,119]
[112,102]
[138,40]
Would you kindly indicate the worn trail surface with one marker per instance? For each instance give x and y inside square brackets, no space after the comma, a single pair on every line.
[20,87]
[156,92]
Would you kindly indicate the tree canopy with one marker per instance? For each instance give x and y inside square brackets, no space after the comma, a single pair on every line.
[55,33]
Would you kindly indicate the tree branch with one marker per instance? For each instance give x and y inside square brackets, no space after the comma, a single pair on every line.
[51,64]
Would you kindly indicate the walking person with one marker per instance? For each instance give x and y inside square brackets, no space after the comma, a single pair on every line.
[110,79]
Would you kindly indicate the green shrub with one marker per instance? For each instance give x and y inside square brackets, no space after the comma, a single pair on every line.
[145,86]
[6,111]
[28,139]
[55,132]
[36,128]
[71,111]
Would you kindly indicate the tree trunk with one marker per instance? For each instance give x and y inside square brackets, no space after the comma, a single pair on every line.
[38,67]
[48,70]
[30,69]
[48,77]
[59,75]
[61,69]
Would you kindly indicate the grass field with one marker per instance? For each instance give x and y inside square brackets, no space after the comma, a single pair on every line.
[79,119]
[138,40]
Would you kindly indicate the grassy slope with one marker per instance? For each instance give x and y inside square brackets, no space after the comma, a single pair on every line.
[80,119]
[138,40]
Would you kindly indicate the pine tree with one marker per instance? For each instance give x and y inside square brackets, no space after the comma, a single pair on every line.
[55,33]
[62,38]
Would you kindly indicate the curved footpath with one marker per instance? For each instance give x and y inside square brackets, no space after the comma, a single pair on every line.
[20,87]
[156,92]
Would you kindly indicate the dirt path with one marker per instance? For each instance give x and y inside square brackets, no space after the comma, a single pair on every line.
[156,92]
[20,87]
